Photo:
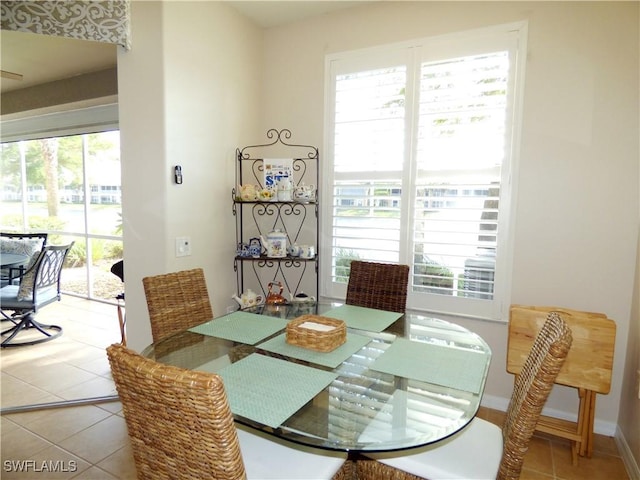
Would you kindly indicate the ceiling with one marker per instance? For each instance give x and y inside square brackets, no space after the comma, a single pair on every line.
[43,58]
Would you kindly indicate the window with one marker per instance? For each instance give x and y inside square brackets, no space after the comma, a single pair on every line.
[421,141]
[72,186]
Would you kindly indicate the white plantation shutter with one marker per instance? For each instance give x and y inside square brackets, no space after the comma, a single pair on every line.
[369,106]
[460,149]
[421,141]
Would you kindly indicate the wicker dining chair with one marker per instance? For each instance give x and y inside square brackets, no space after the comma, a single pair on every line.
[181,427]
[378,285]
[482,450]
[176,301]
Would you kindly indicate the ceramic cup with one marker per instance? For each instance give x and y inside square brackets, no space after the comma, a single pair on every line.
[307,251]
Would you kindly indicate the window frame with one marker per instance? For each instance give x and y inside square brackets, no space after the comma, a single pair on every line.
[511,37]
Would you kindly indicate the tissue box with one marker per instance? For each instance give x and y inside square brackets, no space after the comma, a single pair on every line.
[315,332]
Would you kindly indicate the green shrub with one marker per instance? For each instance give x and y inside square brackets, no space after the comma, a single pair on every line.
[101,250]
[343,263]
[432,277]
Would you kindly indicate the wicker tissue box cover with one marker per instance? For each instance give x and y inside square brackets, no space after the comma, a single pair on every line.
[315,332]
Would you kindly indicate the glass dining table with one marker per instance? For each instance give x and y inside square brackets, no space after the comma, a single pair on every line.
[399,381]
[11,262]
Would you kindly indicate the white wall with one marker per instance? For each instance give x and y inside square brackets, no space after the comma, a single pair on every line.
[201,80]
[629,419]
[577,205]
[188,92]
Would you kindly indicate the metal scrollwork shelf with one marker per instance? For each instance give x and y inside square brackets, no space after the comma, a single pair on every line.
[276,190]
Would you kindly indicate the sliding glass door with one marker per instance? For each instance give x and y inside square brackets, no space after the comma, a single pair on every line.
[70,187]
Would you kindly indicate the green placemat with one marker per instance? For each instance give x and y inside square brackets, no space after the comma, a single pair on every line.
[363,318]
[445,366]
[269,390]
[243,327]
[329,359]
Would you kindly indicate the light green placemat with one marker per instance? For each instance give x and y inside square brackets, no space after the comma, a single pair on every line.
[329,359]
[363,318]
[445,366]
[243,327]
[269,390]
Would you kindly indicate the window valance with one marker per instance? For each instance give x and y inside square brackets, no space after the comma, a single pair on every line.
[105,21]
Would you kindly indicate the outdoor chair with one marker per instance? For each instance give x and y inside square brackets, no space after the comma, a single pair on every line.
[176,301]
[181,426]
[382,286]
[39,286]
[482,450]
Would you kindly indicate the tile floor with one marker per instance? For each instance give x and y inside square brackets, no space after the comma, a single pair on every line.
[90,442]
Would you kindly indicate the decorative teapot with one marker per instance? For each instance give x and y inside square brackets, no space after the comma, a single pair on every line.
[275,244]
[304,192]
[248,192]
[274,298]
[248,299]
[302,298]
[255,247]
[243,250]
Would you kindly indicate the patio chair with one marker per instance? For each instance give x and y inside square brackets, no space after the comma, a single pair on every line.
[180,425]
[382,286]
[482,450]
[39,286]
[176,301]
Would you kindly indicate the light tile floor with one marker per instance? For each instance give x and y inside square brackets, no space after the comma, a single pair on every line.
[90,441]
[83,442]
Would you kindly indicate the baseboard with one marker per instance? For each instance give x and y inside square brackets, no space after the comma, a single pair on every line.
[600,427]
[495,403]
[629,461]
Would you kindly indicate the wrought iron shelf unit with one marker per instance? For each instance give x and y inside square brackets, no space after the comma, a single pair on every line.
[297,218]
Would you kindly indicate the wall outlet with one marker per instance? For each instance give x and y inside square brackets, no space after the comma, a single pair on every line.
[183,246]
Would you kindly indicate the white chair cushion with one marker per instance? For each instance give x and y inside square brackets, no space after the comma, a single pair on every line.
[268,457]
[9,298]
[25,246]
[472,454]
[28,280]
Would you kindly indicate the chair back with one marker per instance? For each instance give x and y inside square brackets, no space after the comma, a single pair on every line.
[176,301]
[179,421]
[531,390]
[43,275]
[378,285]
[26,236]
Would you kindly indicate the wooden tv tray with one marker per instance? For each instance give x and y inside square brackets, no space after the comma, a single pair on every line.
[588,366]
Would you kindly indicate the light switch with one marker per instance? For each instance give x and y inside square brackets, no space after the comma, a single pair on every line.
[183,246]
